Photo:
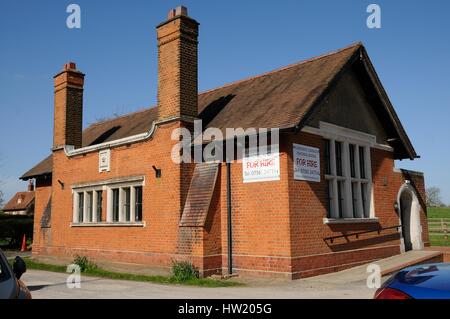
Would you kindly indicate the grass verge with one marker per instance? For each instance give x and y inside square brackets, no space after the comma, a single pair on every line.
[99,272]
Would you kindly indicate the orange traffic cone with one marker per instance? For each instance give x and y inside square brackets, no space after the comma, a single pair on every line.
[24,243]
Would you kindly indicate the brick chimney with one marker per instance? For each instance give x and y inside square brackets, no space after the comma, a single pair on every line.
[177,66]
[30,185]
[68,114]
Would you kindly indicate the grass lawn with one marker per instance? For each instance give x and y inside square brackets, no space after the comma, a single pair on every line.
[98,272]
[439,212]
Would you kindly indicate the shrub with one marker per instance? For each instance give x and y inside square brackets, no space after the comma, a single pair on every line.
[183,271]
[84,263]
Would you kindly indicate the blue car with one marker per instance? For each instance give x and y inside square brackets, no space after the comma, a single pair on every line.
[428,281]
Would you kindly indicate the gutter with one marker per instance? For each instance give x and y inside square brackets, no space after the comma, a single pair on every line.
[70,151]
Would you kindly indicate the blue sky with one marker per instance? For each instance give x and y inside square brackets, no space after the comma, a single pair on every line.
[116,48]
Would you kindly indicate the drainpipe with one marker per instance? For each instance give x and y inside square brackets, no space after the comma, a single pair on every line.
[230,240]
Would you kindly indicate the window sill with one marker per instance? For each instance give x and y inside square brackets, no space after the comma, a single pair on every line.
[106,224]
[332,221]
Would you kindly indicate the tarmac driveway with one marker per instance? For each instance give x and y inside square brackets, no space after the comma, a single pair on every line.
[44,284]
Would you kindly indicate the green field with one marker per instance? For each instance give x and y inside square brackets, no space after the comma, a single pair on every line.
[438,212]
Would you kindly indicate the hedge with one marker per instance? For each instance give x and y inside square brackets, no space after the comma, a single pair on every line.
[12,229]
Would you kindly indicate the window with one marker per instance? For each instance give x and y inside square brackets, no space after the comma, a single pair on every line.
[87,206]
[115,209]
[89,199]
[126,204]
[362,163]
[80,207]
[327,157]
[99,205]
[352,160]
[138,203]
[338,151]
[123,203]
[347,171]
[354,199]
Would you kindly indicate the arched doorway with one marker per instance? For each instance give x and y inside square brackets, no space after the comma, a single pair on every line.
[409,215]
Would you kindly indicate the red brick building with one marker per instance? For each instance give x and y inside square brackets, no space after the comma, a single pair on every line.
[333,201]
[22,203]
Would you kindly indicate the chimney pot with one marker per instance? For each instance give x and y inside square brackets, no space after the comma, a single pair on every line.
[30,186]
[70,66]
[171,14]
[181,11]
[178,11]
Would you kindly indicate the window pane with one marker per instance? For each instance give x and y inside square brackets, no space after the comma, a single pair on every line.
[327,157]
[138,203]
[99,205]
[338,150]
[352,159]
[355,199]
[364,199]
[127,203]
[340,185]
[115,205]
[80,207]
[330,197]
[362,162]
[89,206]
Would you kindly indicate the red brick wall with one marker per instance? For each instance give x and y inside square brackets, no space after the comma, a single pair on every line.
[42,195]
[311,252]
[159,241]
[260,223]
[278,227]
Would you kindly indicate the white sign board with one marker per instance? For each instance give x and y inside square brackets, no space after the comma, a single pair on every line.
[261,168]
[306,163]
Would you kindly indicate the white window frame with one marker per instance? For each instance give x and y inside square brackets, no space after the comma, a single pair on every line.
[110,203]
[76,198]
[107,187]
[346,136]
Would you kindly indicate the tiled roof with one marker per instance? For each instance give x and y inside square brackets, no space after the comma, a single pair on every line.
[277,99]
[20,201]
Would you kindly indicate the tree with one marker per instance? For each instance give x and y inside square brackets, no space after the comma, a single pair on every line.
[433,197]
